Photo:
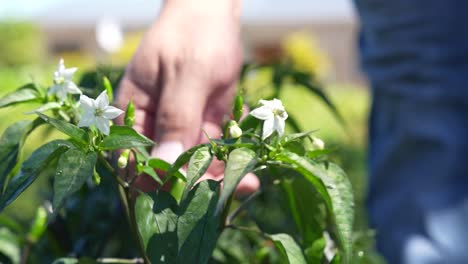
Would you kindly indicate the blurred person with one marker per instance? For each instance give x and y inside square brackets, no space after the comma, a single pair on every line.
[415,53]
[182,80]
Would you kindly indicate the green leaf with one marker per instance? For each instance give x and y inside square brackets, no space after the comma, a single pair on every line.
[335,188]
[198,165]
[45,107]
[11,224]
[24,94]
[296,136]
[240,162]
[288,248]
[182,160]
[73,169]
[31,169]
[11,143]
[307,208]
[149,171]
[185,234]
[66,261]
[68,129]
[9,245]
[197,226]
[164,166]
[122,137]
[156,219]
[312,154]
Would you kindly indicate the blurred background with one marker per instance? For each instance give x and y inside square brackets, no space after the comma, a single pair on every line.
[317,36]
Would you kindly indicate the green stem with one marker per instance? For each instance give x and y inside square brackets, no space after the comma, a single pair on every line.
[108,167]
[241,207]
[134,227]
[125,197]
[226,211]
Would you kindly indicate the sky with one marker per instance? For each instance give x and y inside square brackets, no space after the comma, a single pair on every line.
[253,10]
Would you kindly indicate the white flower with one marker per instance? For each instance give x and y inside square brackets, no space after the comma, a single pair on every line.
[274,115]
[97,112]
[318,143]
[63,83]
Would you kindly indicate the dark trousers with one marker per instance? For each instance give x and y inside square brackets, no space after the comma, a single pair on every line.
[415,53]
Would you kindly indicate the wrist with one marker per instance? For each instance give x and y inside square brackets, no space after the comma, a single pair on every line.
[230,8]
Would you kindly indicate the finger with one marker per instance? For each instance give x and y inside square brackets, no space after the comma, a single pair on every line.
[145,109]
[213,131]
[220,104]
[180,110]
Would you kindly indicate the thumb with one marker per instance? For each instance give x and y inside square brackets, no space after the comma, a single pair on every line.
[179,117]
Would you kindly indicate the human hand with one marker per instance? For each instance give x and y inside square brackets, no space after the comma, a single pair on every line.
[182,79]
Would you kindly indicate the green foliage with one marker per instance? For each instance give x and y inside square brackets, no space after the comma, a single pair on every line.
[11,143]
[24,94]
[122,137]
[290,251]
[20,43]
[76,133]
[335,189]
[240,162]
[181,221]
[179,234]
[198,165]
[74,168]
[31,169]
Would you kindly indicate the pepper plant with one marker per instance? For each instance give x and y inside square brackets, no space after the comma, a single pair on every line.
[182,220]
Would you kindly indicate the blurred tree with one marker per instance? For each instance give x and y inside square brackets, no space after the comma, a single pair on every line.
[21,43]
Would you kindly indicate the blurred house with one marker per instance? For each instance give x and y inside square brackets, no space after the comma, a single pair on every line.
[264,24]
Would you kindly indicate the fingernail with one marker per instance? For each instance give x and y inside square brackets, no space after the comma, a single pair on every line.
[168,151]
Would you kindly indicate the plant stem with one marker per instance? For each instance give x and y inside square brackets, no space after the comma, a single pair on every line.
[119,180]
[241,207]
[26,251]
[117,260]
[127,203]
[134,226]
[226,211]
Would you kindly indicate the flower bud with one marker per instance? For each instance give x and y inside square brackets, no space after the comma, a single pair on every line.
[130,114]
[122,162]
[108,87]
[96,177]
[238,107]
[318,143]
[234,130]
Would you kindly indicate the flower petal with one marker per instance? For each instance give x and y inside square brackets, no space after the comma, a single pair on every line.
[53,89]
[103,125]
[87,104]
[61,66]
[68,73]
[72,88]
[61,92]
[279,125]
[262,113]
[102,101]
[87,120]
[268,128]
[111,112]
